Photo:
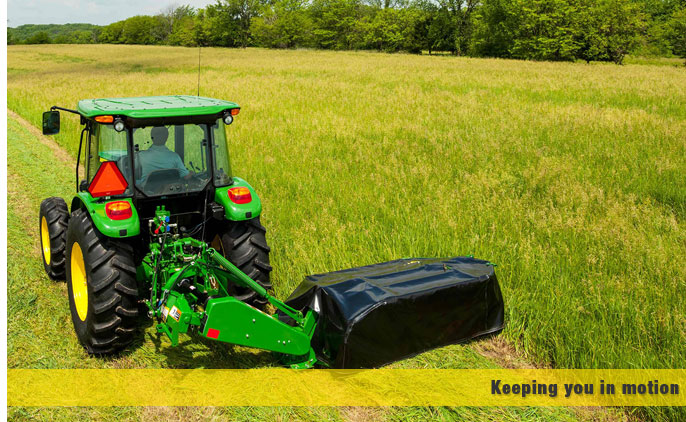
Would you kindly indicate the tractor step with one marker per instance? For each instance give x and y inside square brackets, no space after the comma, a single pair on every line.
[378,314]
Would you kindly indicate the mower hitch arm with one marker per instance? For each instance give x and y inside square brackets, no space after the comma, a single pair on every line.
[252,284]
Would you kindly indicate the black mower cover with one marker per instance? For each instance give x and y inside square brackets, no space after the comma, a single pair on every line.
[374,315]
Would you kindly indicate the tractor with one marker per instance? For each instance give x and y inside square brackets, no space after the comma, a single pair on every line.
[160,226]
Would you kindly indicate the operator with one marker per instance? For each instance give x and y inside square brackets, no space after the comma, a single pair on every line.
[159,157]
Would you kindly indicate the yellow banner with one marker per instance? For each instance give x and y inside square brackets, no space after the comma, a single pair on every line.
[374,387]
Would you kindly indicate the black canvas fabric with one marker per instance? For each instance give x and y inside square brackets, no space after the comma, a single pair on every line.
[377,314]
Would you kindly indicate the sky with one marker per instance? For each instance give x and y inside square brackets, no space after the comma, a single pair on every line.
[99,12]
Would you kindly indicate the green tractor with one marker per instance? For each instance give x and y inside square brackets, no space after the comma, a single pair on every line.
[160,226]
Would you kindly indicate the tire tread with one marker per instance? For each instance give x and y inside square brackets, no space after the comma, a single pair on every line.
[113,290]
[56,214]
[245,245]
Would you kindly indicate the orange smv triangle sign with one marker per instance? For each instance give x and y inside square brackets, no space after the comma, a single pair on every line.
[108,181]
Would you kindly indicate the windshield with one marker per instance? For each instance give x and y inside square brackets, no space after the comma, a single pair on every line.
[174,159]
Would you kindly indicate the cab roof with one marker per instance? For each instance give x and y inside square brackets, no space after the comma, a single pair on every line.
[154,107]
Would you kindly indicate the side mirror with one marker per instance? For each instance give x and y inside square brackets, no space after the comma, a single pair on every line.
[51,122]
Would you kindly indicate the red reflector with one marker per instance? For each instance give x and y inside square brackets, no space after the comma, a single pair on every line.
[240,195]
[212,333]
[119,210]
[108,181]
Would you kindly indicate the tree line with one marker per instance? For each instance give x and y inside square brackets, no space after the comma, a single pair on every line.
[591,30]
[71,33]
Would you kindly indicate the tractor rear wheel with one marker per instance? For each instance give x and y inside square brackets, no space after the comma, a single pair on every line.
[53,219]
[102,288]
[244,243]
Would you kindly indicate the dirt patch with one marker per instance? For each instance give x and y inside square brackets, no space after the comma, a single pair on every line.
[361,414]
[598,414]
[195,414]
[504,354]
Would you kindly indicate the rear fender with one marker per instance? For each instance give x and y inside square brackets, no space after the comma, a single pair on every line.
[238,212]
[110,228]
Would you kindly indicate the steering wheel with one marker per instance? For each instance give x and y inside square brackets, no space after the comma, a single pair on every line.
[163,181]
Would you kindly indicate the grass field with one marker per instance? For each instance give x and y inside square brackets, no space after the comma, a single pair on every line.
[570,176]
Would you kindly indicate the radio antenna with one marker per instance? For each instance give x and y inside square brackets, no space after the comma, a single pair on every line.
[198,69]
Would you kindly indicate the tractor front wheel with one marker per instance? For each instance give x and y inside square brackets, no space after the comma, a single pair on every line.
[102,288]
[53,219]
[244,243]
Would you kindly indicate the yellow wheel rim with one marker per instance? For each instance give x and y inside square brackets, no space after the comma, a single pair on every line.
[79,287]
[45,239]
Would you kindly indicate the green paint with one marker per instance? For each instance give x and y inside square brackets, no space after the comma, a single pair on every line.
[238,212]
[189,290]
[239,323]
[172,326]
[152,107]
[105,225]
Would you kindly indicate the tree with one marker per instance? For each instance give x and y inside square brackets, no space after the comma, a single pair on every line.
[384,30]
[282,24]
[143,30]
[337,23]
[494,29]
[238,15]
[458,15]
[173,14]
[558,29]
[676,33]
[545,30]
[393,30]
[39,38]
[620,25]
[111,34]
[185,32]
[219,25]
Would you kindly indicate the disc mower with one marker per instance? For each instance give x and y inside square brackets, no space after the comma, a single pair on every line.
[160,226]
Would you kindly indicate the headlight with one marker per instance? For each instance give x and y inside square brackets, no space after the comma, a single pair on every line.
[118,125]
[228,119]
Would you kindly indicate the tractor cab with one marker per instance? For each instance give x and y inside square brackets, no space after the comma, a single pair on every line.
[158,159]
[151,151]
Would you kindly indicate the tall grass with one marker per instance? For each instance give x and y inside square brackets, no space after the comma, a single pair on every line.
[571,177]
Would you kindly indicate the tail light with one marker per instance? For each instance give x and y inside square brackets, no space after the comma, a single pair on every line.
[118,210]
[240,195]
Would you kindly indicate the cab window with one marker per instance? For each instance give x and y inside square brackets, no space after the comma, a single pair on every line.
[106,144]
[171,159]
